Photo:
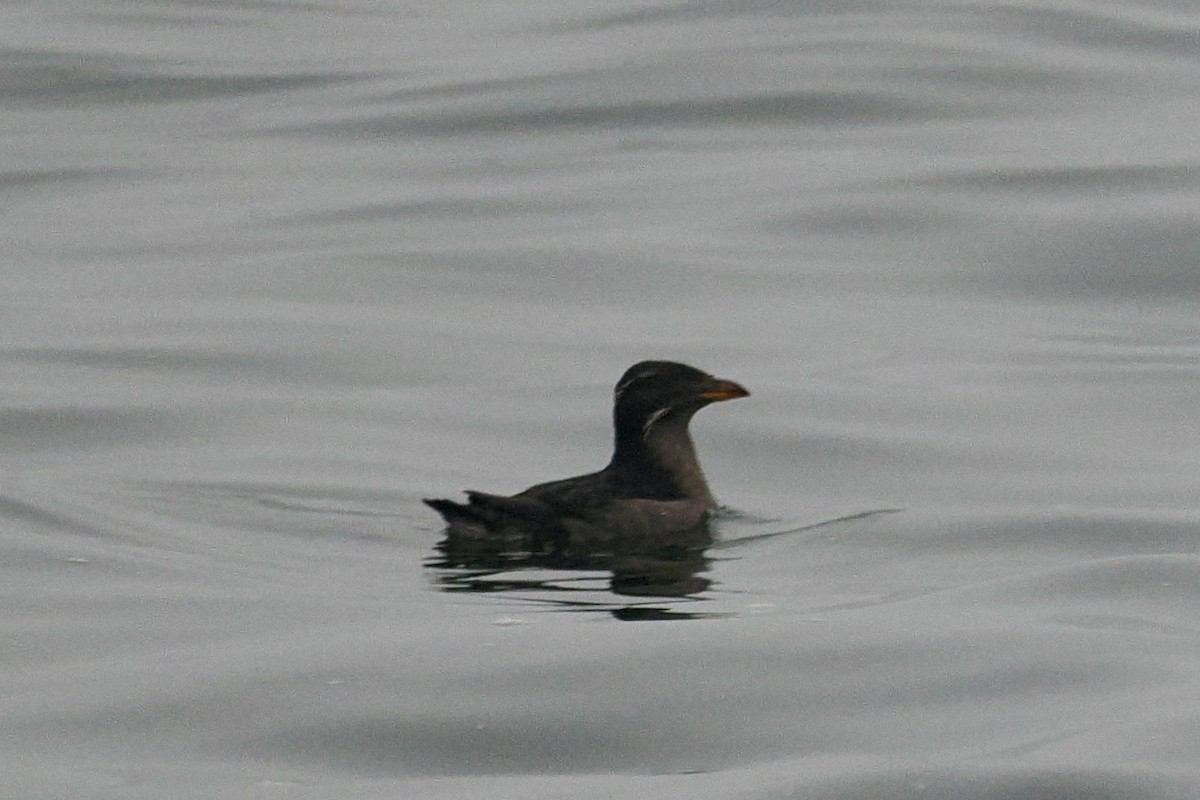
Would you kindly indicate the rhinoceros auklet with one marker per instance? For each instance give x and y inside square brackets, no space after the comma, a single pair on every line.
[652,486]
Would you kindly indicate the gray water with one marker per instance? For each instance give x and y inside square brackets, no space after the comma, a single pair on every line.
[274,271]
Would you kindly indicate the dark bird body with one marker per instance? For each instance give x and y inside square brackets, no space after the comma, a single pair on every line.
[652,488]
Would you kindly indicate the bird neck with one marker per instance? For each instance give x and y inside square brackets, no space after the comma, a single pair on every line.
[664,456]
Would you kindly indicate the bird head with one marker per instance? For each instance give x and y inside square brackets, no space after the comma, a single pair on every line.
[652,394]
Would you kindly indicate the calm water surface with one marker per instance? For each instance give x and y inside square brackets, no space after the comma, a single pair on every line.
[275,271]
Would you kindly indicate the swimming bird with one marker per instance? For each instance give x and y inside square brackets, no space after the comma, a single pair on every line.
[652,487]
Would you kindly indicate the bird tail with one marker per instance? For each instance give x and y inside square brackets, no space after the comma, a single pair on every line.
[449,509]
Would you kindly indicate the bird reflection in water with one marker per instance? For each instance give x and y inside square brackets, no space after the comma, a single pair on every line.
[664,566]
